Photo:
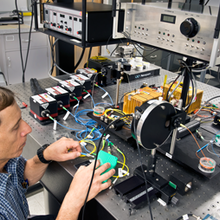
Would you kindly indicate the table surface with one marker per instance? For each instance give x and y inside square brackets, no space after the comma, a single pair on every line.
[203,199]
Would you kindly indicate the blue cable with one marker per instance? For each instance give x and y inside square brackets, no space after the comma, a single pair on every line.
[64,125]
[103,103]
[202,148]
[106,92]
[96,134]
[90,96]
[212,144]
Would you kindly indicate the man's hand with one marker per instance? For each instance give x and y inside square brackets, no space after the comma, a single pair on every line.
[75,197]
[62,150]
[82,178]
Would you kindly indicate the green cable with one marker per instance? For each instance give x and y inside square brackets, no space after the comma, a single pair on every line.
[65,108]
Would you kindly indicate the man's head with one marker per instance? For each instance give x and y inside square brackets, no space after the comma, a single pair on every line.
[6,98]
[13,130]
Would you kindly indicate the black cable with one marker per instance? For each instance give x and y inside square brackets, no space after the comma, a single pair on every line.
[122,98]
[171,87]
[19,36]
[29,42]
[125,34]
[90,51]
[114,50]
[193,86]
[4,78]
[52,52]
[24,66]
[145,179]
[97,151]
[207,2]
[80,59]
[193,92]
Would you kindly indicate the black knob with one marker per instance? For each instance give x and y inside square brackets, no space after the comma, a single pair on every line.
[189,27]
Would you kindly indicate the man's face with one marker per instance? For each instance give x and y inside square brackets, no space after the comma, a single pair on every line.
[13,132]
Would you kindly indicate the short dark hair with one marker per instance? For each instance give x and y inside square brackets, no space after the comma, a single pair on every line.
[7,98]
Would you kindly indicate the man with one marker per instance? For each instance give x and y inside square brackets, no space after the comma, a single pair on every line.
[16,172]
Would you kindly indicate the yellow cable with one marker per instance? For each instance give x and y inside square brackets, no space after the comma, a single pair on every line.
[125,173]
[92,143]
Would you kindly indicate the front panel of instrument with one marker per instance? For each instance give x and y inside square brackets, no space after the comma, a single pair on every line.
[183,32]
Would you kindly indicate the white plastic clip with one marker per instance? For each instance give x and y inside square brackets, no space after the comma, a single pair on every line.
[66,115]
[185,217]
[104,95]
[107,136]
[86,96]
[75,106]
[54,125]
[121,172]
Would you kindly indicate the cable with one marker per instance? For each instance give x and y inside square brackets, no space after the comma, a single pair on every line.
[145,179]
[29,42]
[194,139]
[19,36]
[24,66]
[63,125]
[4,78]
[207,2]
[218,96]
[94,168]
[114,49]
[105,93]
[177,85]
[80,59]
[171,87]
[90,97]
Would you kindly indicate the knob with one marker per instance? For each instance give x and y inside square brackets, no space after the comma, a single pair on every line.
[189,27]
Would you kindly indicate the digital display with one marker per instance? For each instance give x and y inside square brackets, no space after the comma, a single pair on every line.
[168,18]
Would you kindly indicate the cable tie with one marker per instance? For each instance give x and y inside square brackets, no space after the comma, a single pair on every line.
[105,95]
[55,125]
[66,115]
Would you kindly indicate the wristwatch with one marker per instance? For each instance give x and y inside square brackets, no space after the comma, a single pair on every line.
[40,154]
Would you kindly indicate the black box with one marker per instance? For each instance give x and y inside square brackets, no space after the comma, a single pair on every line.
[84,81]
[61,95]
[106,70]
[43,104]
[73,87]
[88,72]
[183,181]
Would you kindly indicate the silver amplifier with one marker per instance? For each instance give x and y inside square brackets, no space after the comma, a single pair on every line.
[187,33]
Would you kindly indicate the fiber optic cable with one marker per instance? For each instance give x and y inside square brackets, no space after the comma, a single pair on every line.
[90,97]
[105,93]
[194,139]
[63,125]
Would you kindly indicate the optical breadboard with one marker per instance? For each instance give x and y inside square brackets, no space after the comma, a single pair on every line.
[67,19]
[173,29]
